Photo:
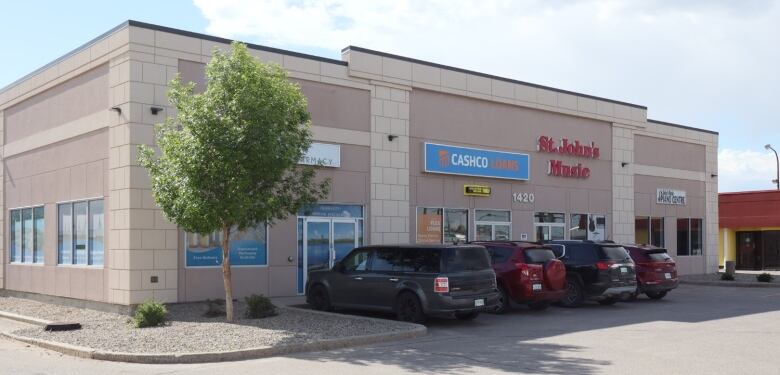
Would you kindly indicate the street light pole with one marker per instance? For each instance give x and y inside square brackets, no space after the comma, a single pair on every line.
[777,159]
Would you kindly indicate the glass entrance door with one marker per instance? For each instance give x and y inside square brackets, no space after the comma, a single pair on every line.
[326,241]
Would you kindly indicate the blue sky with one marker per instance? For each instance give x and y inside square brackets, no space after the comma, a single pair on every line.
[704,63]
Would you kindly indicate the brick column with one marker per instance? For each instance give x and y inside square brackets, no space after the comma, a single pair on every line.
[389,210]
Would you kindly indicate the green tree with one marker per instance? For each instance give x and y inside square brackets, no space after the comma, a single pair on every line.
[229,158]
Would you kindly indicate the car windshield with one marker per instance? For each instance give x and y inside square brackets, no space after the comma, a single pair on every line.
[613,253]
[538,255]
[466,259]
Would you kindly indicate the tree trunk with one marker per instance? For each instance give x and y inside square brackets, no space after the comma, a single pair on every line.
[226,275]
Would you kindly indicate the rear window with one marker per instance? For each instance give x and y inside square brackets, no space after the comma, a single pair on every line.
[422,260]
[538,256]
[499,254]
[613,253]
[466,259]
[659,256]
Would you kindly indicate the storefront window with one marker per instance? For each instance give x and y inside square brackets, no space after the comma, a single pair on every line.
[80,233]
[549,226]
[26,242]
[649,230]
[456,225]
[493,225]
[579,227]
[689,237]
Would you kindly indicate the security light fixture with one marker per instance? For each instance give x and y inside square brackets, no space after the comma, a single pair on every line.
[624,164]
[117,109]
[390,137]
[155,110]
[713,175]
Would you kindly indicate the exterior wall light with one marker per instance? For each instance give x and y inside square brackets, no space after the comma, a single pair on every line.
[390,137]
[117,109]
[713,175]
[155,110]
[623,164]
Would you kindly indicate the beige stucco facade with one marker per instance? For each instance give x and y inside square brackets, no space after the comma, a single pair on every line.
[61,142]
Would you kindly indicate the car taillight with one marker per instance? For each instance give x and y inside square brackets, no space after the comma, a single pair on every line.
[604,265]
[523,267]
[441,285]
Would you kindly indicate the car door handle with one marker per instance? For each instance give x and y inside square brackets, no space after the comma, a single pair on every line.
[357,278]
[393,279]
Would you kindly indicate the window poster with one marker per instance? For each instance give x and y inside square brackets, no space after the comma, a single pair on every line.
[247,248]
[429,225]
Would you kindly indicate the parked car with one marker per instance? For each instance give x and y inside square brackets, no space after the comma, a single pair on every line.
[412,281]
[656,271]
[599,271]
[527,273]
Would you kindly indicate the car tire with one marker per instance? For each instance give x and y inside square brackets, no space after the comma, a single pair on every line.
[539,305]
[504,303]
[574,295]
[409,309]
[467,316]
[608,301]
[320,299]
[656,295]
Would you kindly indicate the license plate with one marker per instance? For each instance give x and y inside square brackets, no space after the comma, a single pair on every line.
[537,287]
[623,270]
[479,302]
[668,275]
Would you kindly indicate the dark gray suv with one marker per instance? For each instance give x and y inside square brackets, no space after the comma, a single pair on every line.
[413,281]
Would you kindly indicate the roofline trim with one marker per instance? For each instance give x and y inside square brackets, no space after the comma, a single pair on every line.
[65,56]
[168,30]
[683,126]
[228,41]
[485,75]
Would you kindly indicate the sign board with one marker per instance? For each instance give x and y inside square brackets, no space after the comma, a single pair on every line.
[468,161]
[476,190]
[429,226]
[322,154]
[247,248]
[670,196]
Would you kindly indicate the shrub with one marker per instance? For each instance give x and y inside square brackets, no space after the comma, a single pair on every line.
[259,307]
[727,277]
[764,277]
[150,314]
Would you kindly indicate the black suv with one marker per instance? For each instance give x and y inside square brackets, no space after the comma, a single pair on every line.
[600,271]
[412,281]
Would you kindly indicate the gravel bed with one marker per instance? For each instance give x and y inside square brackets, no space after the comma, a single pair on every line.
[188,331]
[738,278]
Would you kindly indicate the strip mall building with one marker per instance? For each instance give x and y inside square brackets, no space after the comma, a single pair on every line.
[417,152]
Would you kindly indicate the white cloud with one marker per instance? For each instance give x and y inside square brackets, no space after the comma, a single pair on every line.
[704,63]
[741,170]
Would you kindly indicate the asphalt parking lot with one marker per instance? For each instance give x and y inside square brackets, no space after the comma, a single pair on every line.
[694,330]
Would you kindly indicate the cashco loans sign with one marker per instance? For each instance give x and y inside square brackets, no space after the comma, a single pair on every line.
[475,162]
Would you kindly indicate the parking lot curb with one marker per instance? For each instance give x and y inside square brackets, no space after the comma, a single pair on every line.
[24,319]
[222,356]
[732,284]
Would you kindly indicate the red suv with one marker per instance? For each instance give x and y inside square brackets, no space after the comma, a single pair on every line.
[527,273]
[656,272]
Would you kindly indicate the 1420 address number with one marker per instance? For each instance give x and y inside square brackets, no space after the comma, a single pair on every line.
[523,197]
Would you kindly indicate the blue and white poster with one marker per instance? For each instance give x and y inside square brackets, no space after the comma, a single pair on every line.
[475,162]
[247,248]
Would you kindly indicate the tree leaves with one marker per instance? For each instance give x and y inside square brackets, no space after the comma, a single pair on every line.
[230,156]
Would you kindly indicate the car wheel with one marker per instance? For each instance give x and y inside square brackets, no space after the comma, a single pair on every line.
[608,301]
[409,309]
[467,316]
[539,305]
[574,295]
[320,299]
[656,295]
[504,304]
